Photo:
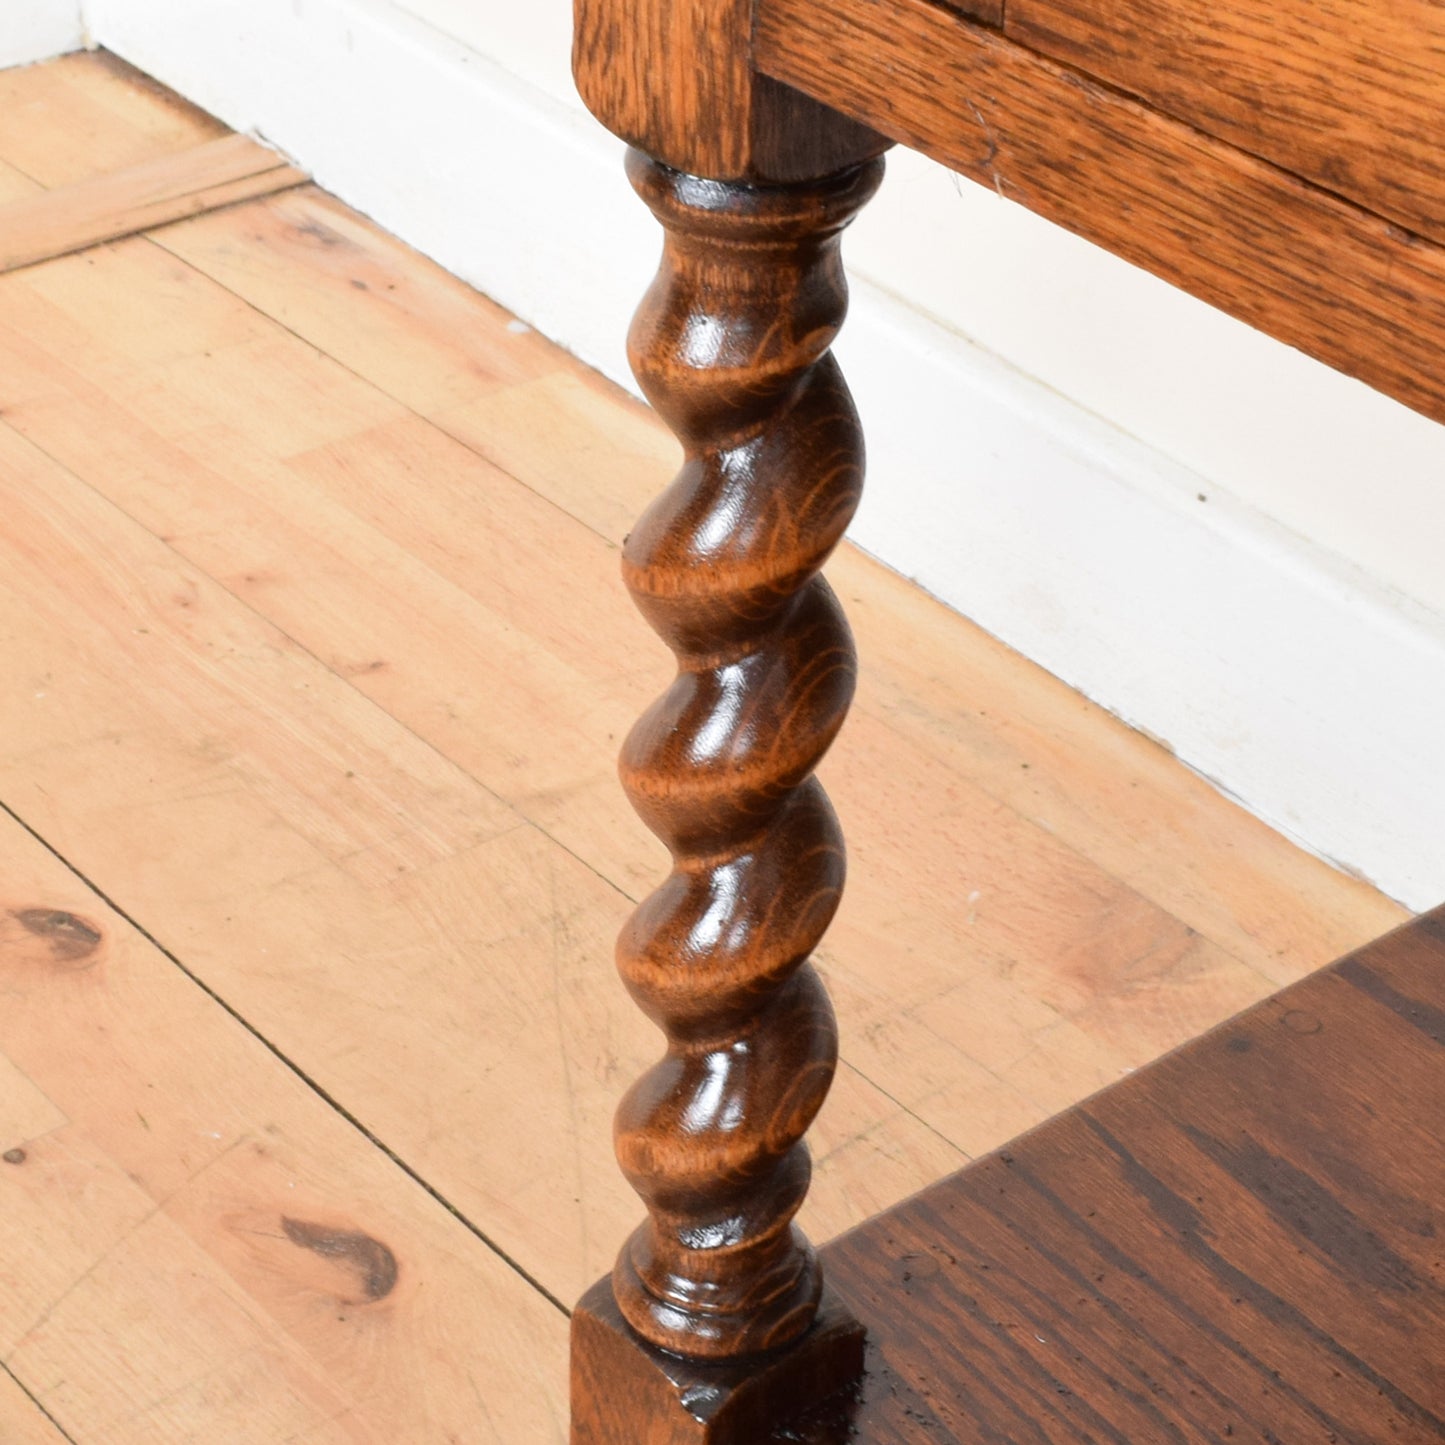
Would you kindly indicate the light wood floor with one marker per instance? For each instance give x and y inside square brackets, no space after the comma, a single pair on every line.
[315,662]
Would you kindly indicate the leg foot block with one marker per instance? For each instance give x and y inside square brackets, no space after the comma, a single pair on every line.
[624,1392]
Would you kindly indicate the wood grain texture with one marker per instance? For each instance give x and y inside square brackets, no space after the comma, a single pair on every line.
[1240,1242]
[88,114]
[22,1422]
[388,551]
[407,481]
[1167,908]
[1347,286]
[987,12]
[560,440]
[373,540]
[675,78]
[152,193]
[375,862]
[731,345]
[195,1245]
[1346,93]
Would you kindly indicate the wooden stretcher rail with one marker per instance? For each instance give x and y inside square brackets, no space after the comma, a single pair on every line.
[1344,285]
[1345,94]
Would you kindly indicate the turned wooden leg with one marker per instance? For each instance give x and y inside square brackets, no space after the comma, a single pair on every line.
[731,347]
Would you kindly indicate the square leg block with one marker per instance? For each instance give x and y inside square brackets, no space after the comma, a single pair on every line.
[626,1393]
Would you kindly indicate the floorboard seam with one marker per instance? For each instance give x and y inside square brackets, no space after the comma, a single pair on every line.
[86,222]
[35,1400]
[426,742]
[439,425]
[295,1069]
[522,819]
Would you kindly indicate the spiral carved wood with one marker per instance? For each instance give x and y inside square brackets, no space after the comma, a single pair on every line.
[731,347]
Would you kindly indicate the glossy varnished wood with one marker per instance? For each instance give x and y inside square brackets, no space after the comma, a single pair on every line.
[1241,1242]
[1347,93]
[625,1394]
[1348,286]
[731,346]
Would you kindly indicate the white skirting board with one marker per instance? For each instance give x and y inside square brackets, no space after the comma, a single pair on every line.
[1295,684]
[37,29]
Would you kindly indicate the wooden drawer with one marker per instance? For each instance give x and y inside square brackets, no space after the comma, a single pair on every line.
[1349,94]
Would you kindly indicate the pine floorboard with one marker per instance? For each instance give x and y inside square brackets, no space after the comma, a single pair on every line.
[22,1422]
[316,662]
[71,218]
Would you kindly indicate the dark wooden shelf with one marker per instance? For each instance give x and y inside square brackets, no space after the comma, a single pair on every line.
[1245,1241]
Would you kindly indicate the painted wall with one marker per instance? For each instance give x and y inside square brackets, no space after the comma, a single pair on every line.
[1226,544]
[37,29]
[532,41]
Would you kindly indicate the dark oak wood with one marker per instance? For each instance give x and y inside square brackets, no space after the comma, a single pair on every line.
[625,1393]
[731,346]
[1348,93]
[1243,1242]
[675,78]
[1340,283]
[753,185]
[989,12]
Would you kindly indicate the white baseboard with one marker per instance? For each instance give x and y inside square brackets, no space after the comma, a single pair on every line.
[33,30]
[1292,682]
[1287,678]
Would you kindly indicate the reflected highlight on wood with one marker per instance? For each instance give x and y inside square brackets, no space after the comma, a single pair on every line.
[731,347]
